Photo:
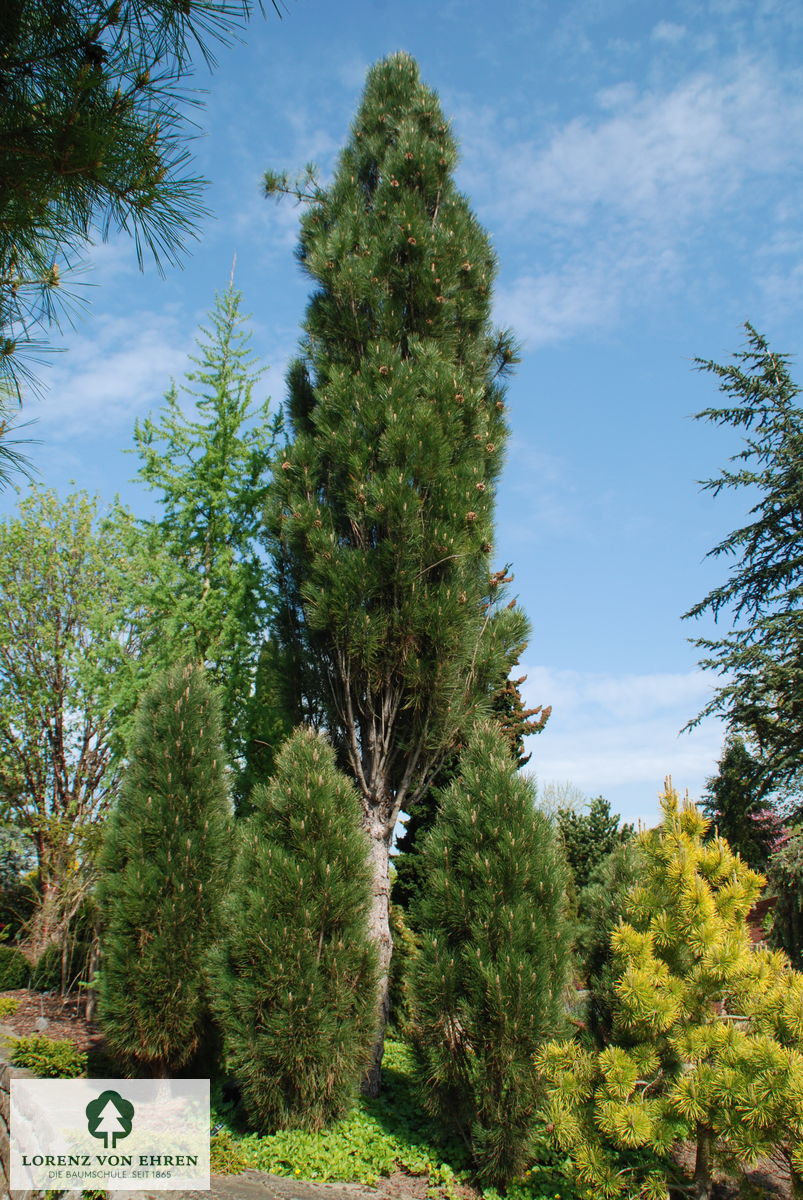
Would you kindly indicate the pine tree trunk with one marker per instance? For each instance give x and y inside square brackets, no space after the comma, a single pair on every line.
[379,929]
[702,1166]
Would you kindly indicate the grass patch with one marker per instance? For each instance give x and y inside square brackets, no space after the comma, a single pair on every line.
[376,1138]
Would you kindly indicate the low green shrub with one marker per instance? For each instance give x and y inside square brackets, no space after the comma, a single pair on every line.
[8,1006]
[226,1156]
[48,1058]
[93,1195]
[14,969]
[46,975]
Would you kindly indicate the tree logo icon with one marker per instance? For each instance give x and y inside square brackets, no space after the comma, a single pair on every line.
[110,1116]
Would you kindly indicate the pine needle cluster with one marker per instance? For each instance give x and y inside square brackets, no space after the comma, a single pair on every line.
[92,137]
[295,974]
[712,1028]
[165,859]
[494,946]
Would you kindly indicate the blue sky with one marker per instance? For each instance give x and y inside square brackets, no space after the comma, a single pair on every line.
[639,170]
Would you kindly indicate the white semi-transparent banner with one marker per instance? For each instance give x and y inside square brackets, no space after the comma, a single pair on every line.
[68,1134]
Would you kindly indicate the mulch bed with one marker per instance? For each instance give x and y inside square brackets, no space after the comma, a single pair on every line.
[59,1017]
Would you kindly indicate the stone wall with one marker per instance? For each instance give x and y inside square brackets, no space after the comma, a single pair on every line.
[7,1073]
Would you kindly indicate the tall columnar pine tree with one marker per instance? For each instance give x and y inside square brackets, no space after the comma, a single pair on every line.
[381,519]
[295,972]
[166,857]
[712,1028]
[210,470]
[494,948]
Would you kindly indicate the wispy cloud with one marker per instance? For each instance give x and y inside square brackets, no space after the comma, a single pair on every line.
[667,31]
[613,206]
[619,734]
[112,371]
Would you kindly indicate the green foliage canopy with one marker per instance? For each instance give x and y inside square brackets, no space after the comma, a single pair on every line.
[601,905]
[785,880]
[735,803]
[69,642]
[590,836]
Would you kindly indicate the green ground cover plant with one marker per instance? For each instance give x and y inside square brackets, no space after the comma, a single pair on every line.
[48,1058]
[8,1006]
[379,1136]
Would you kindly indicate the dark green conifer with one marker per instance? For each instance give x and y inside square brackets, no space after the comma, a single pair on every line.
[165,860]
[295,975]
[736,803]
[493,956]
[589,836]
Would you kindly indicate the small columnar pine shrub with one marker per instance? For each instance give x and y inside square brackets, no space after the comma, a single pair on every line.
[15,969]
[712,1029]
[295,978]
[165,860]
[493,957]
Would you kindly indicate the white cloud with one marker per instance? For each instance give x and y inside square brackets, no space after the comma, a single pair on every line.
[658,157]
[614,207]
[666,31]
[113,370]
[619,734]
[549,306]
